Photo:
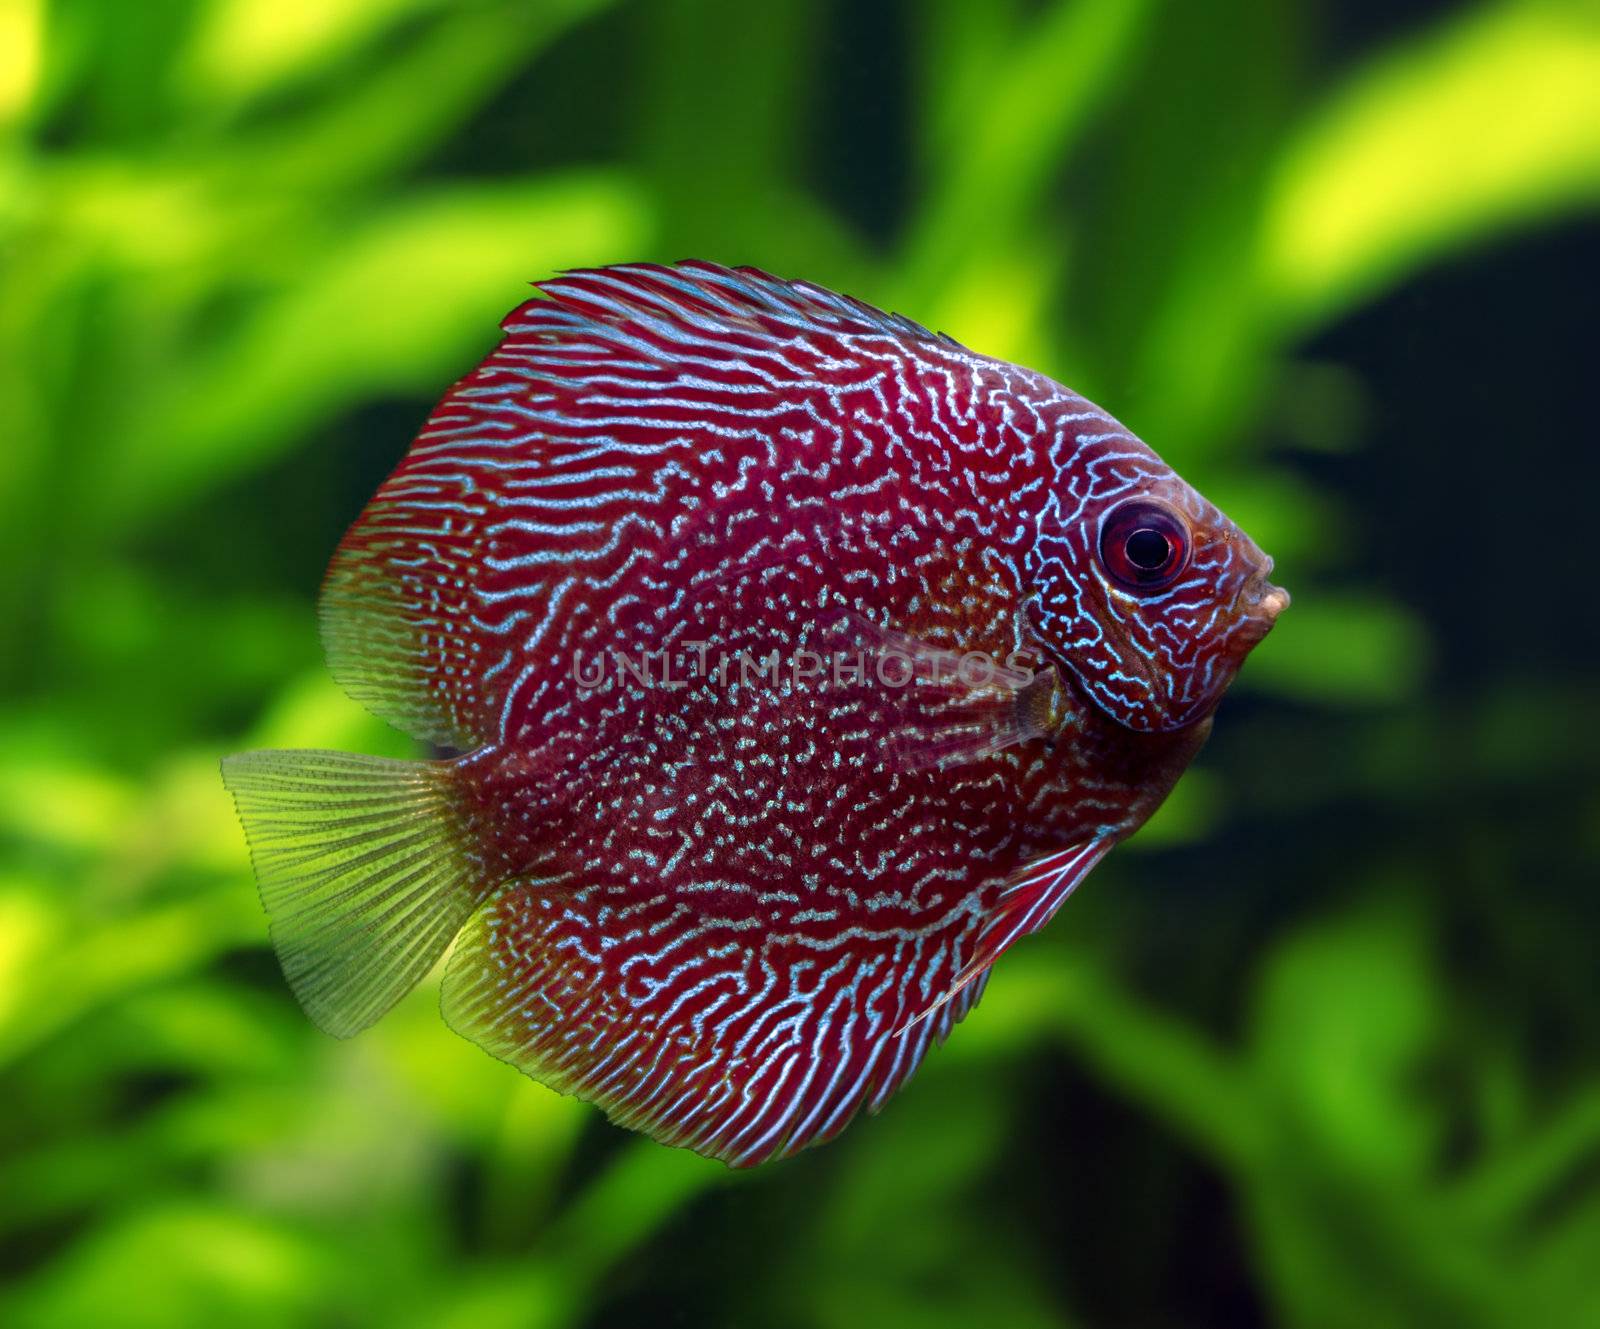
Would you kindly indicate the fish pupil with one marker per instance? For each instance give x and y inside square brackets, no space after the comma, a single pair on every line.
[1143,545]
[1148,549]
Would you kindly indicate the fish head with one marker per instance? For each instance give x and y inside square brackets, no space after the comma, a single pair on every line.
[1147,592]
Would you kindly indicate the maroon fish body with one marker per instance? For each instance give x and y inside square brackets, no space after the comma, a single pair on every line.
[801,661]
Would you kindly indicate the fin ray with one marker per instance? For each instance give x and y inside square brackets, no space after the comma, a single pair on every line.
[696,1051]
[366,870]
[396,623]
[953,709]
[1027,902]
[457,574]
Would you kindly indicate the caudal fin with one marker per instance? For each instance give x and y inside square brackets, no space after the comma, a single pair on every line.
[366,871]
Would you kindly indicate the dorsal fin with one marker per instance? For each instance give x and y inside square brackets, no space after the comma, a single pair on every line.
[397,614]
[661,304]
[463,571]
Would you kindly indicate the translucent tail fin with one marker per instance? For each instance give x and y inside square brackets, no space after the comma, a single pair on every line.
[366,870]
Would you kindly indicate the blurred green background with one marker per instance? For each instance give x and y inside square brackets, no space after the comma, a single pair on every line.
[1318,1048]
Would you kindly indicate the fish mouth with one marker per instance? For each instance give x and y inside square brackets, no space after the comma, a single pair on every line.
[1272,602]
[1262,600]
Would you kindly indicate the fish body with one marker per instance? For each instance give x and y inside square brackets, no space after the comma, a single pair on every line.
[800,661]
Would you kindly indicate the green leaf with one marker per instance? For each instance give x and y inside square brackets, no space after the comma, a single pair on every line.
[1491,122]
[1341,649]
[405,302]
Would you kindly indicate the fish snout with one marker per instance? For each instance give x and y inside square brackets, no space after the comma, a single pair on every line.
[1273,601]
[1262,600]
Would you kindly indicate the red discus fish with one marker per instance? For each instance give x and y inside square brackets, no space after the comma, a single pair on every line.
[800,661]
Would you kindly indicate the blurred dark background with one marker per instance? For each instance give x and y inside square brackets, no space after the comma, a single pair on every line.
[1318,1047]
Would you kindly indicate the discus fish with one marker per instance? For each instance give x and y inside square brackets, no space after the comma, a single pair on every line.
[798,660]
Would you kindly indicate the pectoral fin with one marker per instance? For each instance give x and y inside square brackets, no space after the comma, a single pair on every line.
[937,708]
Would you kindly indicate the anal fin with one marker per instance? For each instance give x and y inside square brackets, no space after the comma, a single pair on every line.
[701,1033]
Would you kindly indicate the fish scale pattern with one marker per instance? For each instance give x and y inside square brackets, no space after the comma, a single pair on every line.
[736,911]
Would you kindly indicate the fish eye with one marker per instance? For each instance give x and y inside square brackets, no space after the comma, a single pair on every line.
[1144,545]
